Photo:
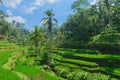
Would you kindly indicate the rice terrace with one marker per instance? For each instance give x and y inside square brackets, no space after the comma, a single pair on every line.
[59,39]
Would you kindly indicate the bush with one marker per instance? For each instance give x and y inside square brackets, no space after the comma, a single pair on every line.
[109,38]
[106,43]
[74,44]
[80,76]
[31,48]
[105,47]
[89,76]
[62,72]
[66,73]
[47,58]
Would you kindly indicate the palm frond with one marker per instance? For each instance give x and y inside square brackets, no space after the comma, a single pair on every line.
[55,20]
[3,14]
[49,13]
[45,21]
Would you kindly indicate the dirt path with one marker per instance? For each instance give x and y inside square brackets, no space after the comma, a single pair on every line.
[11,63]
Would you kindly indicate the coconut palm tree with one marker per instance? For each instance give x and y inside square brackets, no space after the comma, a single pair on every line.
[36,36]
[48,21]
[2,15]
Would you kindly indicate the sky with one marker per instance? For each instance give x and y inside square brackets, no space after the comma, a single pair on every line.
[31,12]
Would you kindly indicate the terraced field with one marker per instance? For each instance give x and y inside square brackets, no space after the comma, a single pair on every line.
[5,53]
[33,71]
[70,64]
[15,66]
[5,45]
[90,61]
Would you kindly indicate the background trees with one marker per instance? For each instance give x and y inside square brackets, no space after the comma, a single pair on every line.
[81,28]
[11,31]
[90,20]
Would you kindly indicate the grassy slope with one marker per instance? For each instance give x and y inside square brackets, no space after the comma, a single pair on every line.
[79,62]
[4,56]
[49,75]
[94,56]
[114,71]
[34,71]
[6,45]
[27,69]
[6,74]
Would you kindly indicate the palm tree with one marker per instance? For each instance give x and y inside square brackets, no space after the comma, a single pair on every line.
[48,21]
[2,15]
[106,2]
[36,36]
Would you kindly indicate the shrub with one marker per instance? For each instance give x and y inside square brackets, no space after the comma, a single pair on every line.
[107,43]
[47,58]
[80,76]
[111,37]
[62,72]
[89,76]
[31,48]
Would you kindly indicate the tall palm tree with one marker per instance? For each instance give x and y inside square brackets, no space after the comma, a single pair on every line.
[36,36]
[48,21]
[2,15]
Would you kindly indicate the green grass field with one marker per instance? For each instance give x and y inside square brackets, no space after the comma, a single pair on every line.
[28,68]
[94,56]
[79,63]
[6,74]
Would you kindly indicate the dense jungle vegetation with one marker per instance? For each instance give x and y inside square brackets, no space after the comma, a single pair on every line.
[85,47]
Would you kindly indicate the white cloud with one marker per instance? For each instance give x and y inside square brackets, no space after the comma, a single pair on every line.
[34,6]
[94,2]
[38,3]
[30,9]
[12,3]
[52,1]
[16,18]
[13,17]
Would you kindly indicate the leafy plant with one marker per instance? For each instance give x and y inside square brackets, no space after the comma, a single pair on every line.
[46,58]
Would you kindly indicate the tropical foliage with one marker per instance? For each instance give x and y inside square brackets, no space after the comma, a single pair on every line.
[49,20]
[84,47]
[90,20]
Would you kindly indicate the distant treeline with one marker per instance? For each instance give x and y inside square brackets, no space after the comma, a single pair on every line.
[92,24]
